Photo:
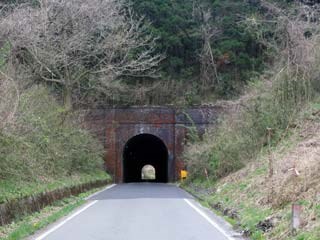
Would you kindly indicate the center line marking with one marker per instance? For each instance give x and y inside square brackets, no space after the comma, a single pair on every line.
[205,216]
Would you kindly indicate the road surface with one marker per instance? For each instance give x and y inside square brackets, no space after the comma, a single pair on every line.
[140,211]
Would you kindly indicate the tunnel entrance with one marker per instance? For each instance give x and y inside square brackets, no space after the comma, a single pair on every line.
[142,150]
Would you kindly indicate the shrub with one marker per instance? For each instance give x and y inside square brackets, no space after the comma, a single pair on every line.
[238,139]
[44,141]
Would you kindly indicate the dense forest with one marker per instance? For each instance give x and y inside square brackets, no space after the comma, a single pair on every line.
[207,48]
[205,42]
[210,49]
[203,47]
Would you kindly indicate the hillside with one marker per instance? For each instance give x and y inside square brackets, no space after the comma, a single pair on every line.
[257,199]
[264,155]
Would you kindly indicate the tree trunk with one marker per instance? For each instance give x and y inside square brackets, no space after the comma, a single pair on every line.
[67,98]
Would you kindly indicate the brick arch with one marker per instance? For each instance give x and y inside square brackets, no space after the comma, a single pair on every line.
[117,125]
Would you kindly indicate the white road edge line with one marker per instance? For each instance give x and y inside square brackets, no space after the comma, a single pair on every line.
[42,236]
[106,188]
[205,216]
[65,221]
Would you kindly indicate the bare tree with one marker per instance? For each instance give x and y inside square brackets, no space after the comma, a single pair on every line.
[79,44]
[209,73]
[9,100]
[208,33]
[295,32]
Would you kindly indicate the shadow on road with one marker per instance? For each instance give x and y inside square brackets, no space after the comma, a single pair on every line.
[142,190]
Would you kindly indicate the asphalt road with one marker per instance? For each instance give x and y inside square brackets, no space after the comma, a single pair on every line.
[140,211]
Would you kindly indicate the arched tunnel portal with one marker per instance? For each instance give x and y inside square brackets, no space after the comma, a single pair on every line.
[135,137]
[142,150]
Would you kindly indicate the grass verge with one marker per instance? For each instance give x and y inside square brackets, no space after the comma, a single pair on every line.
[30,224]
[10,190]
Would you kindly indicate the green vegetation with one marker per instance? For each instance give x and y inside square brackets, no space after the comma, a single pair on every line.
[12,189]
[44,142]
[270,111]
[251,197]
[43,150]
[180,52]
[177,30]
[237,141]
[201,37]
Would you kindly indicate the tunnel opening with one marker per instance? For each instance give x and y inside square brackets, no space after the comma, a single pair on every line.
[142,150]
[148,172]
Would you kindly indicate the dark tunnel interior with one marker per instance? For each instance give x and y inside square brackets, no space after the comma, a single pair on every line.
[141,150]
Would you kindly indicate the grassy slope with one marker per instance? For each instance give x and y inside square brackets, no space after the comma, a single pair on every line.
[255,196]
[12,189]
[44,148]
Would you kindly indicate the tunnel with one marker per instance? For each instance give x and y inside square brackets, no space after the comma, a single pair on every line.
[142,150]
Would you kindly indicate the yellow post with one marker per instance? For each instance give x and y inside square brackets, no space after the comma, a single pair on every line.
[183,174]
